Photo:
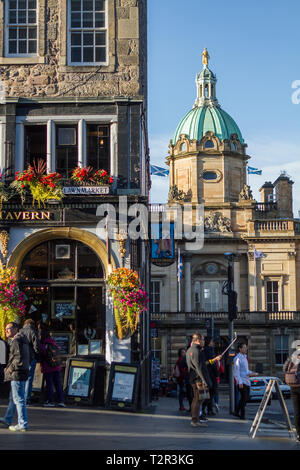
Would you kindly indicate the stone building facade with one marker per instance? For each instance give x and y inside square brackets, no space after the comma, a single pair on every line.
[73,77]
[208,168]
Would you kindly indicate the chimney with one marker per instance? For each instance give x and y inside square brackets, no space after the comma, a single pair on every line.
[284,196]
[266,192]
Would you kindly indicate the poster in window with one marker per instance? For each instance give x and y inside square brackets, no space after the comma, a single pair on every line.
[62,309]
[62,251]
[95,346]
[63,341]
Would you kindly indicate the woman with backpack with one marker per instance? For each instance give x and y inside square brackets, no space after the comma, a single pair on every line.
[51,368]
[291,369]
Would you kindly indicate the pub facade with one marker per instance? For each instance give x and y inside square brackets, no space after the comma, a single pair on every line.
[74,102]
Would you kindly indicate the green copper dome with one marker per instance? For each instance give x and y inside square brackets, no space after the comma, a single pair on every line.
[205,118]
[207,115]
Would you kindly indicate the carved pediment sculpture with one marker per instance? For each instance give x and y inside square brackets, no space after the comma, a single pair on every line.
[246,193]
[216,222]
[176,194]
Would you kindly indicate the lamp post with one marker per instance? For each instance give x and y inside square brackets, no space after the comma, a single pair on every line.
[232,314]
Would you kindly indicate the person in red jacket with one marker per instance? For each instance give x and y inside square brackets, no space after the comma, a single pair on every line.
[50,370]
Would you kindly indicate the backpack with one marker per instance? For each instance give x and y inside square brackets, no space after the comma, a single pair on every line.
[176,371]
[292,374]
[53,357]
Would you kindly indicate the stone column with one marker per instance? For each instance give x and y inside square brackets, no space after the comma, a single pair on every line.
[51,147]
[82,143]
[187,284]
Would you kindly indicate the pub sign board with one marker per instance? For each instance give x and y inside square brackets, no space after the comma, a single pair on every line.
[79,380]
[123,386]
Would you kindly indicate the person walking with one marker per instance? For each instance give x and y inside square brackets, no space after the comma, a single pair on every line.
[51,368]
[16,372]
[32,336]
[199,376]
[213,373]
[242,373]
[291,368]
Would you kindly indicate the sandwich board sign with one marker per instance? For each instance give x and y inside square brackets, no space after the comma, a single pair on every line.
[262,407]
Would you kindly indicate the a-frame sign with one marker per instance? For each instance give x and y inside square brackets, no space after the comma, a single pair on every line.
[260,412]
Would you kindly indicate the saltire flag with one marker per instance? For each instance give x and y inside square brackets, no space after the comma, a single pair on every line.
[158,171]
[179,266]
[258,254]
[253,171]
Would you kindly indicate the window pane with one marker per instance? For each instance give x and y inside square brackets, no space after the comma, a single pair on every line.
[88,5]
[98,153]
[12,33]
[99,20]
[89,266]
[12,17]
[99,5]
[88,39]
[88,54]
[76,54]
[22,33]
[32,33]
[76,39]
[76,20]
[12,47]
[12,4]
[22,4]
[100,54]
[22,16]
[35,264]
[22,47]
[100,39]
[32,47]
[75,5]
[31,17]
[31,4]
[88,20]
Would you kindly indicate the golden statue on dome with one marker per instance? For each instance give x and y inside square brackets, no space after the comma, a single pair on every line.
[205,57]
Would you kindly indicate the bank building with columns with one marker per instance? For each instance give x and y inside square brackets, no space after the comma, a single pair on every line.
[208,163]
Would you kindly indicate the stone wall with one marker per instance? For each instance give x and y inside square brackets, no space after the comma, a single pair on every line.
[49,75]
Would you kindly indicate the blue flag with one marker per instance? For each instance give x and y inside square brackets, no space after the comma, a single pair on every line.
[158,171]
[253,171]
[179,266]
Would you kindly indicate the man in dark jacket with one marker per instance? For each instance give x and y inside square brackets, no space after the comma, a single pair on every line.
[198,373]
[16,372]
[32,336]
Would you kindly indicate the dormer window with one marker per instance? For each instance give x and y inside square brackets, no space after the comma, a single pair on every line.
[209,144]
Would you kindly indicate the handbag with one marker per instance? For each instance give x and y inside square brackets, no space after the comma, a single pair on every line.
[291,374]
[203,392]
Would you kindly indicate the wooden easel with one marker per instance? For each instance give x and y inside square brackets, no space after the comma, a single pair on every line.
[262,407]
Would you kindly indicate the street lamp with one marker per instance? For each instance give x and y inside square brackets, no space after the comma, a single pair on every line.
[232,315]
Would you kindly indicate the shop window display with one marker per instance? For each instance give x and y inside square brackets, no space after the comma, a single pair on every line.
[63,281]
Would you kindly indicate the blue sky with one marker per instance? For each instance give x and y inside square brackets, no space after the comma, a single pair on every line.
[255,53]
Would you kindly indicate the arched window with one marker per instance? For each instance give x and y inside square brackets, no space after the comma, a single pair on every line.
[233,146]
[209,144]
[63,281]
[183,147]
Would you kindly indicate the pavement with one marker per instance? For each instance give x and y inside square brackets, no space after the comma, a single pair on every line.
[161,427]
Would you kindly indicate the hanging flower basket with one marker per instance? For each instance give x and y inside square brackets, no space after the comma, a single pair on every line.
[41,185]
[12,305]
[129,300]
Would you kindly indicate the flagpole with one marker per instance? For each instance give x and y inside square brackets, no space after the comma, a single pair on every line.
[255,286]
[178,280]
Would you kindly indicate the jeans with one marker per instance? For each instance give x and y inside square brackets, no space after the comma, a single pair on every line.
[29,381]
[244,396]
[181,393]
[196,404]
[53,378]
[295,396]
[17,403]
